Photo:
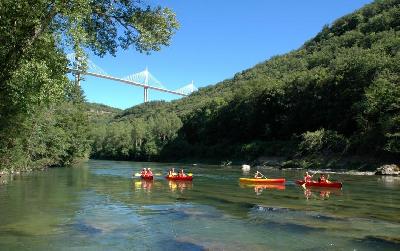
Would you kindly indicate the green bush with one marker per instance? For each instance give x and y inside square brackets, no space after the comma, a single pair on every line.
[253,149]
[323,141]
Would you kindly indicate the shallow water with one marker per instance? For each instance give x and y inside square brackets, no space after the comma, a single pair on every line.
[98,206]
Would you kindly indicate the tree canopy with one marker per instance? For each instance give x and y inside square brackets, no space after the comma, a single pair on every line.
[39,106]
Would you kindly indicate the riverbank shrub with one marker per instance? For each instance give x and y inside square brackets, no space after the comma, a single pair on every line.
[323,141]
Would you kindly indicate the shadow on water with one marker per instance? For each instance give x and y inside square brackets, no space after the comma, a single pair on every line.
[83,227]
[179,245]
[291,228]
[172,213]
[379,243]
[261,211]
[244,205]
[235,208]
[13,232]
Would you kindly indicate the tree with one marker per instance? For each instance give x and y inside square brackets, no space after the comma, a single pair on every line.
[102,26]
[34,38]
[138,132]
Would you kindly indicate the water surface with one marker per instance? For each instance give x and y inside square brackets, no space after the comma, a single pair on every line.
[99,206]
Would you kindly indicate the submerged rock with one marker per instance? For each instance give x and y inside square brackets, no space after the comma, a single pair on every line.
[392,169]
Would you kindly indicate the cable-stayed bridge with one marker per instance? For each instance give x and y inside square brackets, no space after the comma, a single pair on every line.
[142,79]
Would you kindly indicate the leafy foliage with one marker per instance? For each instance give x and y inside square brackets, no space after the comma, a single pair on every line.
[323,141]
[42,114]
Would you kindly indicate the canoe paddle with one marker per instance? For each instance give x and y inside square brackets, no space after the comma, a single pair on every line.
[304,184]
[156,174]
[262,175]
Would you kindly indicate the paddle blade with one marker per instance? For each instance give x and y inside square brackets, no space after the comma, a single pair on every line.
[137,174]
[190,174]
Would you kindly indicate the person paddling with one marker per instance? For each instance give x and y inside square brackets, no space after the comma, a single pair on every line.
[323,179]
[149,172]
[258,175]
[181,173]
[307,177]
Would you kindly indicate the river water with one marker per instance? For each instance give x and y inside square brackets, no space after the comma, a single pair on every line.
[99,206]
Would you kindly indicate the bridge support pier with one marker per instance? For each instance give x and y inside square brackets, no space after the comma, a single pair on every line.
[146,94]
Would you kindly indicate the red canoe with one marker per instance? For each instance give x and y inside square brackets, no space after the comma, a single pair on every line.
[176,177]
[319,184]
[146,177]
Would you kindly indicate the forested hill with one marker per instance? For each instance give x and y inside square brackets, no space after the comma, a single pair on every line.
[337,95]
[99,113]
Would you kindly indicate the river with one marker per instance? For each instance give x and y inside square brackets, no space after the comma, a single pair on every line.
[99,206]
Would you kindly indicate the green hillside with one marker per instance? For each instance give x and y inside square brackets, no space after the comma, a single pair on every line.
[336,96]
[100,114]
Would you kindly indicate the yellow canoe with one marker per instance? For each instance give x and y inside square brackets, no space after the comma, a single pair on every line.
[261,180]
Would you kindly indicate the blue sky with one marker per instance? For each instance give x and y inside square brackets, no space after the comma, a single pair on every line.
[216,40]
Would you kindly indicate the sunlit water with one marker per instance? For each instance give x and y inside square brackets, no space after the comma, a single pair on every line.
[99,206]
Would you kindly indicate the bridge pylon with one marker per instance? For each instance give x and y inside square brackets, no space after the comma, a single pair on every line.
[146,94]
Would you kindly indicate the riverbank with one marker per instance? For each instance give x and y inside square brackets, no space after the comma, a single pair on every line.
[6,174]
[354,165]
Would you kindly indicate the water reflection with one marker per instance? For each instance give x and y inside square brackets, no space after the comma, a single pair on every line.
[176,185]
[258,189]
[245,172]
[3,180]
[145,185]
[321,193]
[390,181]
